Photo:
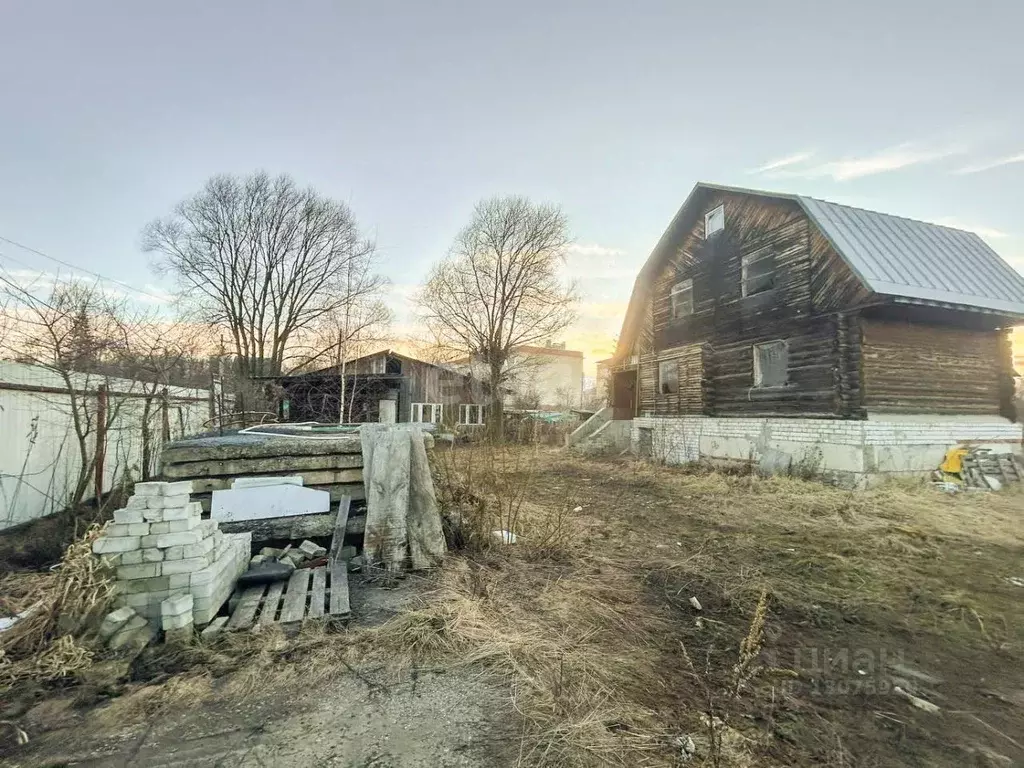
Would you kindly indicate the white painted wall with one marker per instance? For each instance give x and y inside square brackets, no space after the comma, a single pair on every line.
[853,451]
[555,377]
[39,454]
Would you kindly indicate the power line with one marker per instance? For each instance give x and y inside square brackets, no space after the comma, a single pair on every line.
[82,269]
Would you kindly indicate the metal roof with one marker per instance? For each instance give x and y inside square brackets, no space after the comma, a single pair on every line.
[918,261]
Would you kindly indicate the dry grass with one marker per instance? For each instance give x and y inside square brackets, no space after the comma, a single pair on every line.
[61,606]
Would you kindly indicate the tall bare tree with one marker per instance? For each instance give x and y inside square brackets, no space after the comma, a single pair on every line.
[263,258]
[500,287]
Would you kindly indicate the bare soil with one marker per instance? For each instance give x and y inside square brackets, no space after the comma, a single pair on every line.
[580,645]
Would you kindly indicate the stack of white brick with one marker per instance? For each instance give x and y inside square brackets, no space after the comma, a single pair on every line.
[162,548]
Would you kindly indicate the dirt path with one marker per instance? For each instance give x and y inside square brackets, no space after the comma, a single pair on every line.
[426,720]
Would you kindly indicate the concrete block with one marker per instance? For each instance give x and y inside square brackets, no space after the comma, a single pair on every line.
[113,544]
[177,605]
[177,488]
[171,502]
[155,529]
[141,571]
[114,621]
[178,539]
[128,515]
[202,549]
[186,565]
[134,557]
[215,628]
[182,512]
[136,502]
[149,542]
[153,515]
[149,489]
[154,584]
[209,527]
[175,628]
[123,636]
[312,549]
[271,501]
[188,524]
[263,482]
[179,580]
[174,553]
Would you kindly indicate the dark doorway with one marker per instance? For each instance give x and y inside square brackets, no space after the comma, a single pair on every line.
[624,394]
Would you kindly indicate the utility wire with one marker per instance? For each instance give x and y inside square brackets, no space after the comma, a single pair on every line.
[82,269]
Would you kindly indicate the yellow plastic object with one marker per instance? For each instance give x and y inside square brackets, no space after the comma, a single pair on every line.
[953,463]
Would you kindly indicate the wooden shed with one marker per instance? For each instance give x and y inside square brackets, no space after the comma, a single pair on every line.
[421,391]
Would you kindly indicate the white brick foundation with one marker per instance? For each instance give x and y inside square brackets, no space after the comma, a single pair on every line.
[156,562]
[851,452]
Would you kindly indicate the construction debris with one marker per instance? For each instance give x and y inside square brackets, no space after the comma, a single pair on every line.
[164,549]
[973,468]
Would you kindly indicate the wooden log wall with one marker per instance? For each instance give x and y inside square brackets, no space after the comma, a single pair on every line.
[918,368]
[725,324]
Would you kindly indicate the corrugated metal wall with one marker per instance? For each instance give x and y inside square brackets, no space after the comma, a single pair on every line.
[39,451]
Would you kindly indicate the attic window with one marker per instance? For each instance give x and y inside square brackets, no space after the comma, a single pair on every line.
[682,299]
[758,271]
[714,221]
[771,364]
[668,377]
[378,364]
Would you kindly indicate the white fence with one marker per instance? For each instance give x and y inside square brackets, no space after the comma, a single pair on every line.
[40,451]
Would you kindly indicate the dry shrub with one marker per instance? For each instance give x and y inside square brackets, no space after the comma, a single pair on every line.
[146,702]
[62,605]
[486,488]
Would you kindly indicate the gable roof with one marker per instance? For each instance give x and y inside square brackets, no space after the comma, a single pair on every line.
[912,261]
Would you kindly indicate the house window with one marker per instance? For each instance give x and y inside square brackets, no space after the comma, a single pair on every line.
[758,271]
[471,414]
[668,377]
[714,221]
[682,299]
[771,364]
[378,364]
[426,413]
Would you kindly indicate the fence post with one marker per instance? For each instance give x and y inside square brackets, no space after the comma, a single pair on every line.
[165,417]
[101,439]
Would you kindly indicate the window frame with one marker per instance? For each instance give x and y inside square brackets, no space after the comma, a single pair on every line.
[752,258]
[674,363]
[709,217]
[758,382]
[681,287]
[436,413]
[378,361]
[467,409]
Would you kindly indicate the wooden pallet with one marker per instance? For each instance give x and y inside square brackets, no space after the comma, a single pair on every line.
[310,593]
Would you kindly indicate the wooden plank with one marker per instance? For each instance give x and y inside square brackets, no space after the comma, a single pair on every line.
[249,446]
[339,590]
[294,606]
[245,611]
[340,528]
[317,597]
[270,604]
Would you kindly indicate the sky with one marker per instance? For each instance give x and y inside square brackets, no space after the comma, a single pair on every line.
[112,112]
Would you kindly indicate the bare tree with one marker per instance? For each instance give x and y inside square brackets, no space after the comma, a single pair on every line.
[263,258]
[500,288]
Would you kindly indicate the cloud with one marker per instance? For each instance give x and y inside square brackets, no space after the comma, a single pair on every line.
[592,249]
[987,232]
[989,165]
[895,158]
[784,162]
[40,283]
